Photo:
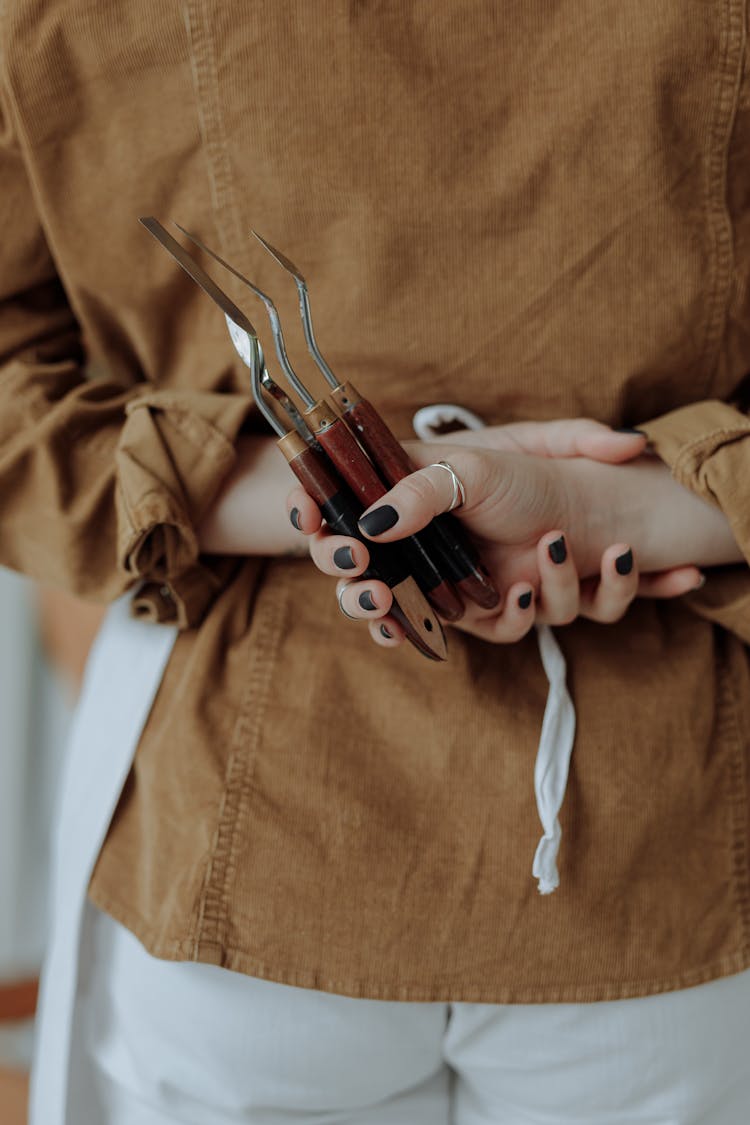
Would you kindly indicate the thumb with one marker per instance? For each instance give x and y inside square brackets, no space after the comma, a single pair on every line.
[424,494]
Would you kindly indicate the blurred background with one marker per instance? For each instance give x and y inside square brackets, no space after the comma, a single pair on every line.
[45,636]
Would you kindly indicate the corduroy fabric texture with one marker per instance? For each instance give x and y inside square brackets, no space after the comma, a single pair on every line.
[536,210]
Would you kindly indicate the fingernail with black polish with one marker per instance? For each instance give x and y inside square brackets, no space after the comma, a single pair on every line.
[525,600]
[365,600]
[343,558]
[624,563]
[629,430]
[294,517]
[388,636]
[558,552]
[382,519]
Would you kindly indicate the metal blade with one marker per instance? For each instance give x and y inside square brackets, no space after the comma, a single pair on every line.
[288,406]
[217,258]
[273,316]
[241,332]
[198,274]
[281,258]
[304,309]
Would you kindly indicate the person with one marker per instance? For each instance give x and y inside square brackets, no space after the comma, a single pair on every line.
[294,871]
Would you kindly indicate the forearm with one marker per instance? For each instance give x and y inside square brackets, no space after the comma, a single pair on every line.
[248,517]
[664,523]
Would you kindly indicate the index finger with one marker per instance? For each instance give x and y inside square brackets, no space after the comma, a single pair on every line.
[412,503]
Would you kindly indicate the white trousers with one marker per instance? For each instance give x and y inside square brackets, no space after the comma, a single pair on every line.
[158,1042]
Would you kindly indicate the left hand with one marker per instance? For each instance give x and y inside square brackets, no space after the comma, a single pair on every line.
[558,598]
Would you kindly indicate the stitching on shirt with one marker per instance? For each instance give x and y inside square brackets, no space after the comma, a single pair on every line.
[152,508]
[239,960]
[194,428]
[739,857]
[170,410]
[719,221]
[210,919]
[211,443]
[212,129]
[212,910]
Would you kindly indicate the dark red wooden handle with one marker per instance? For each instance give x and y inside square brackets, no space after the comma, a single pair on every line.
[357,470]
[341,511]
[457,549]
[385,449]
[314,476]
[351,461]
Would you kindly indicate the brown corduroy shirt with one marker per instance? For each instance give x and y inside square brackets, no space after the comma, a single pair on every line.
[534,210]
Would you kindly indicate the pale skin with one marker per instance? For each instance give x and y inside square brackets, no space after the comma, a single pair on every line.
[527,485]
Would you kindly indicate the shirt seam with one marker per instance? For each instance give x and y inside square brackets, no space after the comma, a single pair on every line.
[184,420]
[719,219]
[239,960]
[739,856]
[214,909]
[151,510]
[211,127]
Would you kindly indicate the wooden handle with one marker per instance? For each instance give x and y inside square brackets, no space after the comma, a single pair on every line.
[338,507]
[449,538]
[387,562]
[384,448]
[346,453]
[357,470]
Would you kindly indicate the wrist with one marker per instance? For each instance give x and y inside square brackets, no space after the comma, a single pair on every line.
[641,504]
[248,515]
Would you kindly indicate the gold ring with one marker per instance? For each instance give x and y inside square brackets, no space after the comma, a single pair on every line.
[459,492]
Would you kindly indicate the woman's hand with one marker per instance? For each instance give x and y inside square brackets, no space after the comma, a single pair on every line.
[513,499]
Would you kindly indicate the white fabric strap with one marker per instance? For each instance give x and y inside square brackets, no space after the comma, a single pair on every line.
[123,673]
[559,722]
[552,759]
[429,421]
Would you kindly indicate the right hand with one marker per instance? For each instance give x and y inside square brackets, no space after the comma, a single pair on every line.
[525,501]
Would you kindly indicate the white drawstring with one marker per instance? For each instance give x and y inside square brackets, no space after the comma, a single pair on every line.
[552,759]
[559,722]
[429,420]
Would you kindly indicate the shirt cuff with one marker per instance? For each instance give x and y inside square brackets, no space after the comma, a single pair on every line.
[175,450]
[704,445]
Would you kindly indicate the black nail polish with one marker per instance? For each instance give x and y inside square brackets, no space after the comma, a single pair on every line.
[388,636]
[294,517]
[629,430]
[558,552]
[343,558]
[365,600]
[624,563]
[382,519]
[525,600]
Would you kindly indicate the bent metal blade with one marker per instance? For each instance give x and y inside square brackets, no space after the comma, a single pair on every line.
[198,274]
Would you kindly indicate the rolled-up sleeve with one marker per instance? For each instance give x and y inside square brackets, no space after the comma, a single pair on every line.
[706,447]
[102,485]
